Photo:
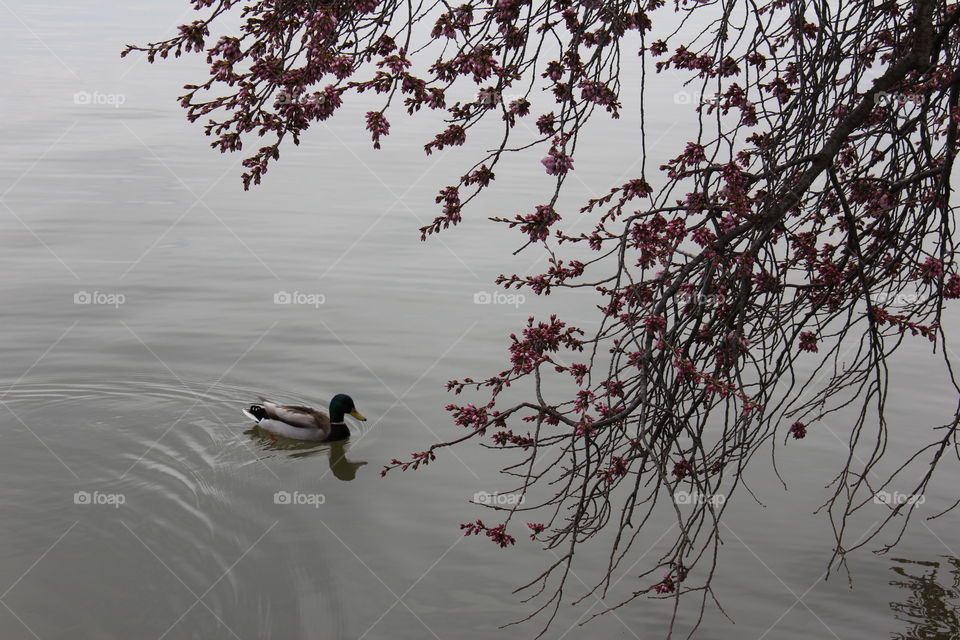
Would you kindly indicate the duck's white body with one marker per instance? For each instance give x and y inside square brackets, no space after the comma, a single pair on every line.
[290,431]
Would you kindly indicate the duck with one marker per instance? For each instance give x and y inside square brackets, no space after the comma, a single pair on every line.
[305,423]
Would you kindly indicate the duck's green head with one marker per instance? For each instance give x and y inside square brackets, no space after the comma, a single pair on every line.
[341,405]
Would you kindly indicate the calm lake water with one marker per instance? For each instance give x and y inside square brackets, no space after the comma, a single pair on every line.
[138,503]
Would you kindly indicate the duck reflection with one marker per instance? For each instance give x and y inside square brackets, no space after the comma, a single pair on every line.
[341,467]
[931,610]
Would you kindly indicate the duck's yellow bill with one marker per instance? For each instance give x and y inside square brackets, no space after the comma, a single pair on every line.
[359,416]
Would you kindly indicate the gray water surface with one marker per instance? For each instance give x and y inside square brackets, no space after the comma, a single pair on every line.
[137,501]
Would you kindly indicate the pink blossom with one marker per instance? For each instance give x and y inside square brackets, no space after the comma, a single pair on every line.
[655,324]
[952,287]
[682,469]
[377,125]
[808,341]
[798,430]
[931,270]
[666,585]
[537,224]
[557,163]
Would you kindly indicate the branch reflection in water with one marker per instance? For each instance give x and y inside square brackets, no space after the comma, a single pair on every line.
[932,610]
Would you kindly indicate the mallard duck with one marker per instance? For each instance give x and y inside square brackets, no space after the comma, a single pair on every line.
[305,423]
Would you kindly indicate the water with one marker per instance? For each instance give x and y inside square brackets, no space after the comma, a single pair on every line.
[138,502]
